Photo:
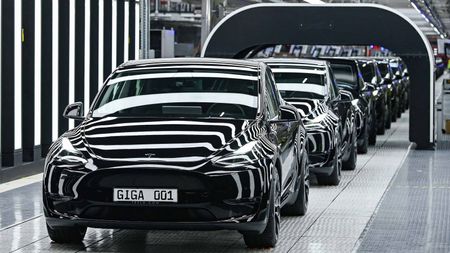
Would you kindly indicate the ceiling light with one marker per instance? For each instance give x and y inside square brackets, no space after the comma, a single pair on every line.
[314,1]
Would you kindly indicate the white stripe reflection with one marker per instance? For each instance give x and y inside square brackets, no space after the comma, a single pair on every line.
[182,75]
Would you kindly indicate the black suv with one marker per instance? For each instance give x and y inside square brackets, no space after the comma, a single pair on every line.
[349,77]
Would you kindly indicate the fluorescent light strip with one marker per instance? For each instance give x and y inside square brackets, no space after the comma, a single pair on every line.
[87,52]
[1,37]
[55,70]
[114,36]
[100,42]
[126,31]
[18,75]
[71,56]
[136,32]
[314,1]
[37,73]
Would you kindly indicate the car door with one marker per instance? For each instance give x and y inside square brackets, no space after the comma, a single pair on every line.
[281,129]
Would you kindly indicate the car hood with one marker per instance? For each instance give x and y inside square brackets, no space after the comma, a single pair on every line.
[162,142]
[308,108]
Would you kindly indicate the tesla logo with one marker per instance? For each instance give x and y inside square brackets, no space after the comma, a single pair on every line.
[149,155]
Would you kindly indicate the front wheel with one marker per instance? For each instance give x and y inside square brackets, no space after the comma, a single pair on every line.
[373,129]
[269,237]
[300,206]
[364,146]
[381,128]
[350,164]
[388,116]
[335,176]
[66,234]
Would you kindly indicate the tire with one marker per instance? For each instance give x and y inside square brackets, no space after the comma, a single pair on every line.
[381,128]
[400,109]
[269,237]
[395,110]
[300,206]
[362,148]
[66,234]
[350,164]
[373,129]
[335,177]
[388,116]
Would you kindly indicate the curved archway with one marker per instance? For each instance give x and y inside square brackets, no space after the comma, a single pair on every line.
[337,24]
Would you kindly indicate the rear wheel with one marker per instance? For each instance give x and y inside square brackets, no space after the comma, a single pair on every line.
[335,176]
[381,128]
[350,163]
[388,116]
[269,237]
[395,110]
[362,148]
[373,129]
[300,206]
[66,234]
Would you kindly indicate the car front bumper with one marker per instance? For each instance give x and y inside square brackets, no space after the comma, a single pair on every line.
[235,200]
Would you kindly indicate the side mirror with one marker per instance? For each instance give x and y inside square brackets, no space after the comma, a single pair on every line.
[74,111]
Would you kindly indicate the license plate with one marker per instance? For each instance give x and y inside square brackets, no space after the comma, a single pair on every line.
[147,195]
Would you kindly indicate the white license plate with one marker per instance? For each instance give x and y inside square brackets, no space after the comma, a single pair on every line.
[150,195]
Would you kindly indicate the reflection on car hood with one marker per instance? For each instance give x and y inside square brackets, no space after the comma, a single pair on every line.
[174,142]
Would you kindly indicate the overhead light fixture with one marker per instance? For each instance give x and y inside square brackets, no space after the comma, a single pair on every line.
[314,1]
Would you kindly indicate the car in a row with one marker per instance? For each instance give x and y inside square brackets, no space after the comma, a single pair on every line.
[208,144]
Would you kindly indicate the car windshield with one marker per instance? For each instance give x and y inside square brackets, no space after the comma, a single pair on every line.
[367,72]
[345,75]
[300,85]
[180,94]
[384,69]
[394,66]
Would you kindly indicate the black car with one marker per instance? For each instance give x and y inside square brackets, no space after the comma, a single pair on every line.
[349,77]
[393,86]
[373,79]
[198,144]
[328,114]
[401,73]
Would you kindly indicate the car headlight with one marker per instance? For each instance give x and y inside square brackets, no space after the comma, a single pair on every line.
[69,155]
[241,157]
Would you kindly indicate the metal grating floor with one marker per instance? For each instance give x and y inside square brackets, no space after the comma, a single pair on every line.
[336,219]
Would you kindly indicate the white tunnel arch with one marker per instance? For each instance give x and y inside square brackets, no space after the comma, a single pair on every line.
[336,24]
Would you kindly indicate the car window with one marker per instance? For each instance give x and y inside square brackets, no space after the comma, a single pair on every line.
[345,75]
[270,97]
[367,71]
[333,87]
[273,84]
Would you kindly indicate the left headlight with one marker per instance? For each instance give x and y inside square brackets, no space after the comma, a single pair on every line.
[241,157]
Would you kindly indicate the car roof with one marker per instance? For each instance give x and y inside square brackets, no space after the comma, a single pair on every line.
[339,59]
[302,61]
[216,62]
